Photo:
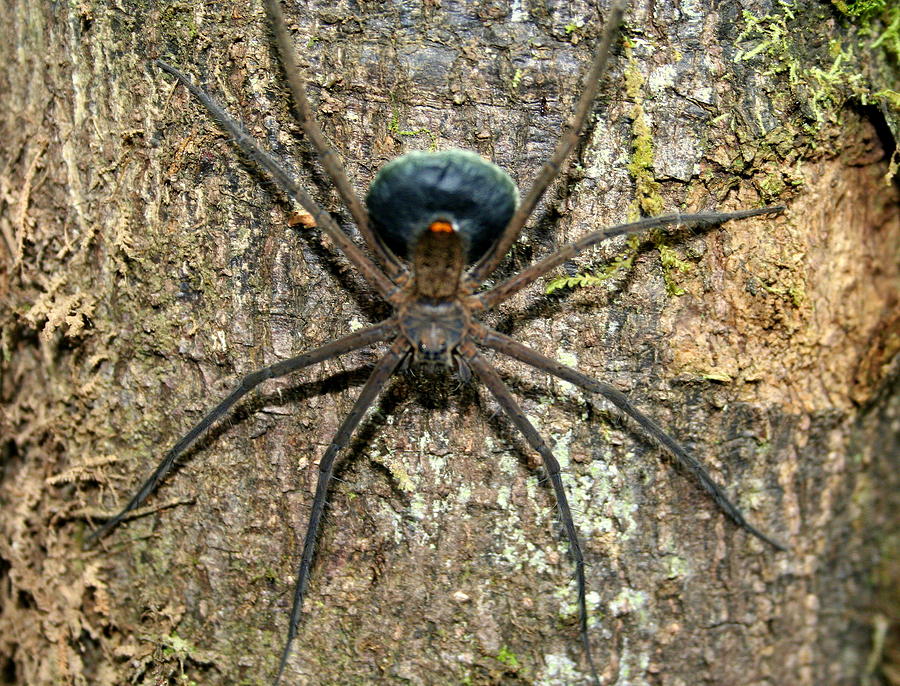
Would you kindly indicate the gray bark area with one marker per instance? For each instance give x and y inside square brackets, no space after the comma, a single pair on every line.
[146,268]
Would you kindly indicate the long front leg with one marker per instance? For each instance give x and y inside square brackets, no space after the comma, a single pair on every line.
[505,344]
[327,155]
[505,290]
[358,339]
[495,385]
[283,179]
[550,170]
[379,377]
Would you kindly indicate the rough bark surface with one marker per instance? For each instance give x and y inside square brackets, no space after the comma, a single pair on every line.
[146,268]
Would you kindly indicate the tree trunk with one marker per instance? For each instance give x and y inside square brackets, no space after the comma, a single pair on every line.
[148,267]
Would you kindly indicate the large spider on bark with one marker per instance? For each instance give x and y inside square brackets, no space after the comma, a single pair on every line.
[438,225]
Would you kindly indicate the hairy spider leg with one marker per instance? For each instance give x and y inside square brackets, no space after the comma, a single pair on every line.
[506,345]
[354,341]
[396,271]
[283,180]
[495,385]
[487,264]
[496,295]
[379,377]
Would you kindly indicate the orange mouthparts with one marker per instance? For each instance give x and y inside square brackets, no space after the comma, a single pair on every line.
[440,226]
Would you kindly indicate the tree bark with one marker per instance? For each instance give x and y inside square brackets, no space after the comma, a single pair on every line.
[147,267]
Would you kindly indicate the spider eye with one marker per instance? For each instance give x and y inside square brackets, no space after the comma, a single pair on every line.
[421,191]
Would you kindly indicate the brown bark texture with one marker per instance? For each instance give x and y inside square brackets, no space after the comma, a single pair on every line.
[146,267]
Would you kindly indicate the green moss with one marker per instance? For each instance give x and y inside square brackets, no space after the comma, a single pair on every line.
[175,645]
[647,196]
[394,127]
[889,40]
[671,263]
[860,8]
[178,22]
[823,90]
[648,200]
[855,67]
[621,264]
[775,42]
[178,648]
[507,657]
[794,292]
[517,79]
[889,97]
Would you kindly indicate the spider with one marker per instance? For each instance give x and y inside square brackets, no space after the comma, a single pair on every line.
[438,225]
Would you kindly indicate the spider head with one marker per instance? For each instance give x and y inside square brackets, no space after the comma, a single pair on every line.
[432,348]
[421,194]
[434,330]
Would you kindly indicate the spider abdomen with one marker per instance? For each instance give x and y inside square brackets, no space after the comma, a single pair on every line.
[471,195]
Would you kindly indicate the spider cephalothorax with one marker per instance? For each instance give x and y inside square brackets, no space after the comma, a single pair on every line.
[438,225]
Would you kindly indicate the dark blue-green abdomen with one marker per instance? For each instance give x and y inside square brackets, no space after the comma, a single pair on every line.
[418,188]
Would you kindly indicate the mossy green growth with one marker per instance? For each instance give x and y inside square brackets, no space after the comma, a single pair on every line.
[507,657]
[648,200]
[858,66]
[517,79]
[823,90]
[647,195]
[889,39]
[394,127]
[177,647]
[795,294]
[179,18]
[890,96]
[671,263]
[774,41]
[860,8]
[573,26]
[622,263]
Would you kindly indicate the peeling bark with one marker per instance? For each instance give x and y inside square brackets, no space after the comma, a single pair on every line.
[146,268]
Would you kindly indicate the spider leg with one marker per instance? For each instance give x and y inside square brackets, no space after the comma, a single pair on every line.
[358,339]
[495,385]
[508,346]
[283,180]
[489,262]
[379,377]
[330,160]
[510,287]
